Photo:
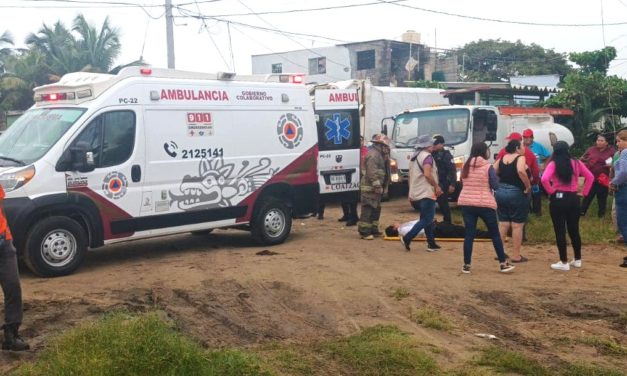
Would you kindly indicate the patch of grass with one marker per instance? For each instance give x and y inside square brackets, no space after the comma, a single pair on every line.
[604,346]
[622,318]
[503,360]
[381,350]
[121,344]
[589,370]
[431,318]
[290,360]
[470,371]
[593,229]
[400,293]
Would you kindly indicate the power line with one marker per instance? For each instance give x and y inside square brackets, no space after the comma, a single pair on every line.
[87,5]
[292,39]
[189,14]
[204,26]
[304,10]
[528,23]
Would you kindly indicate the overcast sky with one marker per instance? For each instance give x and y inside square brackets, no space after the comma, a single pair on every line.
[215,45]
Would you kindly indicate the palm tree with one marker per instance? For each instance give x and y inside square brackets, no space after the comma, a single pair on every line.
[25,70]
[98,49]
[58,45]
[6,39]
[91,50]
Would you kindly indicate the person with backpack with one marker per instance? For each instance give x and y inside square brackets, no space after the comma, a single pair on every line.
[479,181]
[423,192]
[561,182]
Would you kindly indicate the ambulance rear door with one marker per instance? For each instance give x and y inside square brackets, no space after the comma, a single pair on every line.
[337,119]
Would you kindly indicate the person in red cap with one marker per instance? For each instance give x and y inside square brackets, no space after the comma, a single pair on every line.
[541,154]
[530,158]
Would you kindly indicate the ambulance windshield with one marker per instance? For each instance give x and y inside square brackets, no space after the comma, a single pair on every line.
[34,133]
[452,124]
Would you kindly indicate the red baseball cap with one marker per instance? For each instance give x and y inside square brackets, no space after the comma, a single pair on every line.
[514,136]
[528,133]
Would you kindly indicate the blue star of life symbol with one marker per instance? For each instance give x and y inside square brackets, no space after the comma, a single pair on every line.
[337,129]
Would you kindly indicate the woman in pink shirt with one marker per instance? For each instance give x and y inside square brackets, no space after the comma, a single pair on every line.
[561,183]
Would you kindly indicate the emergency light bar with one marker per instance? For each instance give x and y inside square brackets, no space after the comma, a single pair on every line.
[292,78]
[67,96]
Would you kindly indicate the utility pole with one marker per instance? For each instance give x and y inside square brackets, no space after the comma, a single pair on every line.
[169,30]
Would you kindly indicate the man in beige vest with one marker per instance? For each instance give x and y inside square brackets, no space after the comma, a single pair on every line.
[423,191]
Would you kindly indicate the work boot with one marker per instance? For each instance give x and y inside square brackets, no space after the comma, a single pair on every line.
[12,340]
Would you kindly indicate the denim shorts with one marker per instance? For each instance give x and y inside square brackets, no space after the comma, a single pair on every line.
[512,204]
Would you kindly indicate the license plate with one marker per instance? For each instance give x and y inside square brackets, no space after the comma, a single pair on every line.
[338,179]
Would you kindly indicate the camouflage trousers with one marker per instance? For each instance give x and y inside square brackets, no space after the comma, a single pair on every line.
[370,212]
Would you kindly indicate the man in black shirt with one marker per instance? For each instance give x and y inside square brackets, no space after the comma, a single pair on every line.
[447,175]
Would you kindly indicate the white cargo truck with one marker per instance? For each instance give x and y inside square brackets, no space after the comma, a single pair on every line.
[105,158]
[461,126]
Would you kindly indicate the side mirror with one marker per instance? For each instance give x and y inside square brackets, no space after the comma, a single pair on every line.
[491,125]
[384,125]
[82,158]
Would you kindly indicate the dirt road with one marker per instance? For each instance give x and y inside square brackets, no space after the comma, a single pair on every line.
[325,281]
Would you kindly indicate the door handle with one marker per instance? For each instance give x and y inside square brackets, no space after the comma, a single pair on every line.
[136,173]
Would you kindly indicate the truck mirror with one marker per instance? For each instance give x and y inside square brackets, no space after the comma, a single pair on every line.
[384,125]
[491,125]
[82,157]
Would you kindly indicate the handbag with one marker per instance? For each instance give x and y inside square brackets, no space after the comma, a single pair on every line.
[603,179]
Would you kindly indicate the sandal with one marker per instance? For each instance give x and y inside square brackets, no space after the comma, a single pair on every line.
[522,259]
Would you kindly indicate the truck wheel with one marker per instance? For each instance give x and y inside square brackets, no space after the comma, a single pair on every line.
[55,246]
[272,222]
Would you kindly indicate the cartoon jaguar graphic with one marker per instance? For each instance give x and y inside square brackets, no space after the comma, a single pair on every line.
[215,187]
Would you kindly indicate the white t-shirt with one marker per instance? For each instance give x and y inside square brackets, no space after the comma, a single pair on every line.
[406,227]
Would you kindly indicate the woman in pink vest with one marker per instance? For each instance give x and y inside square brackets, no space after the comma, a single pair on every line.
[477,201]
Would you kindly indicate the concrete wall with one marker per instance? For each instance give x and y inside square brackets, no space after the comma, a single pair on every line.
[337,63]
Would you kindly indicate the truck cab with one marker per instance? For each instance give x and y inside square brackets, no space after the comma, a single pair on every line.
[461,126]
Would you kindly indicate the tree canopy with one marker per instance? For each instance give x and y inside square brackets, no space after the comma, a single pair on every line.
[52,52]
[495,60]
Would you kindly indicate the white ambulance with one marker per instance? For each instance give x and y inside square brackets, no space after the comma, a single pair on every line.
[337,118]
[105,158]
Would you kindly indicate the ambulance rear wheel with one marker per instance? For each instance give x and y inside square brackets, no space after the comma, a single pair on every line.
[55,246]
[272,222]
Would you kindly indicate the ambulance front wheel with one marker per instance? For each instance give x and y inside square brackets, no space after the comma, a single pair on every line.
[272,222]
[55,246]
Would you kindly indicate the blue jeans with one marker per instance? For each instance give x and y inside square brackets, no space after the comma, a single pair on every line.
[488,215]
[427,213]
[620,197]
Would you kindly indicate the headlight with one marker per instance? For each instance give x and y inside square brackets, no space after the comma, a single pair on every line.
[394,171]
[15,179]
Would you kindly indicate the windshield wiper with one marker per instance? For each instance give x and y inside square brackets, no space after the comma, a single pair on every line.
[13,160]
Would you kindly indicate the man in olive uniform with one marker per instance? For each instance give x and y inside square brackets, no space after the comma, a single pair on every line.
[373,182]
[10,281]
